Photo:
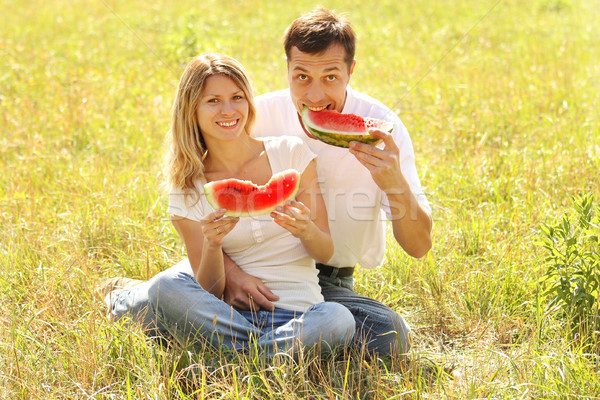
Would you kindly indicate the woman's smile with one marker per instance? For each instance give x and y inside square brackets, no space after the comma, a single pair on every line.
[228,124]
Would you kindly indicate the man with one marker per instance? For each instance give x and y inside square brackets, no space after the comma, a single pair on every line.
[360,185]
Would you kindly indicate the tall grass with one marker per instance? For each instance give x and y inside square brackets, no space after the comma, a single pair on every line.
[500,97]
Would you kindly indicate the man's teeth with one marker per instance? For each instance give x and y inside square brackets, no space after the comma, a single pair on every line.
[317,108]
[227,124]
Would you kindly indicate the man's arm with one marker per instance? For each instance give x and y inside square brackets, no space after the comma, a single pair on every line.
[410,222]
[244,291]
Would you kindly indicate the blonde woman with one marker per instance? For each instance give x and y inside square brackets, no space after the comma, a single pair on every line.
[210,140]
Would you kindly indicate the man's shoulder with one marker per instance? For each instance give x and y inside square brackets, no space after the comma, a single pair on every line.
[368,106]
[275,114]
[276,97]
[283,141]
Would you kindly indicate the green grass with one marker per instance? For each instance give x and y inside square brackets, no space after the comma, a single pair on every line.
[500,97]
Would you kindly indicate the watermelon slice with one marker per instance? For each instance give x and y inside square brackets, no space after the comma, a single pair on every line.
[339,129]
[246,199]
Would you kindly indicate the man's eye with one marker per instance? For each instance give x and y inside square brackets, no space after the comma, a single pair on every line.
[303,77]
[331,78]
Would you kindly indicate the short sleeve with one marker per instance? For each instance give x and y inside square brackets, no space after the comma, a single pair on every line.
[186,206]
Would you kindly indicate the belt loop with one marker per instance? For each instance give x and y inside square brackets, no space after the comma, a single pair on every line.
[334,272]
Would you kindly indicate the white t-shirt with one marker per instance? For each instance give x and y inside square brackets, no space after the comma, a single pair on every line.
[258,245]
[356,207]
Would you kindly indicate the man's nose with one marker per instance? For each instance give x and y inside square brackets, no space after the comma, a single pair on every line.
[315,93]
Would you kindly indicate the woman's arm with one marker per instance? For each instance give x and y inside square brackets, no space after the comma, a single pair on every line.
[203,242]
[240,290]
[306,218]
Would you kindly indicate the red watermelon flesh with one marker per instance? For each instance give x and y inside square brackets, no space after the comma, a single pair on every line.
[246,199]
[335,121]
[339,129]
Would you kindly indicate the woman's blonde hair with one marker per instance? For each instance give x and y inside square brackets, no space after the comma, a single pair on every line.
[187,149]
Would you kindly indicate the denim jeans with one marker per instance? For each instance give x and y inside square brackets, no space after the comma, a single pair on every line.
[382,330]
[173,304]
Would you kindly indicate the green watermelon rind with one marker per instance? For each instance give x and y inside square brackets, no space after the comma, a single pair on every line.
[209,193]
[338,138]
[342,140]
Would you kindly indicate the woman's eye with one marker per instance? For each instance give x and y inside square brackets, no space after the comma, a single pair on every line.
[213,101]
[238,97]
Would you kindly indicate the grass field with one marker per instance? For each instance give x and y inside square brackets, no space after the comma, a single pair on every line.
[500,98]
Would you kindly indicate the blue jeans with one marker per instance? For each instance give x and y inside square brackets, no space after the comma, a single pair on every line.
[379,328]
[173,304]
[382,330]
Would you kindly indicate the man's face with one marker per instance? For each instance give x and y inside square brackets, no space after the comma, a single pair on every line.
[319,81]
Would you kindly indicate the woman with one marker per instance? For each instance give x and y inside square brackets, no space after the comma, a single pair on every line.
[209,138]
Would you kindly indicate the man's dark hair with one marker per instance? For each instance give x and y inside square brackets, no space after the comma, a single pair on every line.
[318,29]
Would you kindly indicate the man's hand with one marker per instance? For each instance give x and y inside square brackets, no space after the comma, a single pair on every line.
[383,164]
[246,292]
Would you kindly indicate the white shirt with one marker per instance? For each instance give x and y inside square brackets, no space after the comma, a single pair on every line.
[258,245]
[355,205]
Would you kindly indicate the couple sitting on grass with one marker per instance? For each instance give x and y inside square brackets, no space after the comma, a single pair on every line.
[284,280]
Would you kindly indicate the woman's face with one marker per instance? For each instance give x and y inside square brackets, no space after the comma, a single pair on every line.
[223,109]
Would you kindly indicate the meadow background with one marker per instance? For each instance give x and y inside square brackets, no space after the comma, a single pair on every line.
[500,98]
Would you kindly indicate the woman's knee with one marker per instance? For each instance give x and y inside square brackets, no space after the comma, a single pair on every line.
[166,286]
[339,321]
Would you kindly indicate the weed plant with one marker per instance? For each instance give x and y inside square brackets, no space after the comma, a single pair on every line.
[572,279]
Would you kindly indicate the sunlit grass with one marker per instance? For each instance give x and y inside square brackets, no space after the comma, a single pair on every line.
[500,98]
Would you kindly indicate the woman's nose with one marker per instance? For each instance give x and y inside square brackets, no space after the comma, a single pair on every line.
[227,108]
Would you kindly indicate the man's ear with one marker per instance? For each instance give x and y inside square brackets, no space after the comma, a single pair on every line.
[352,67]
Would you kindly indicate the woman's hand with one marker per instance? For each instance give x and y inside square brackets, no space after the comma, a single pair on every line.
[216,225]
[295,217]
